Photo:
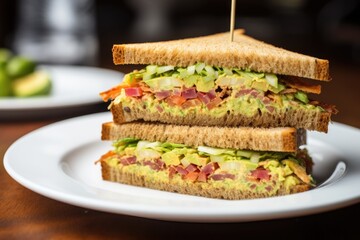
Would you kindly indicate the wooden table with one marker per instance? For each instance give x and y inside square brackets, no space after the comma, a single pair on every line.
[28,215]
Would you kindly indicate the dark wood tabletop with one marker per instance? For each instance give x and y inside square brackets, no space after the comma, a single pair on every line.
[27,215]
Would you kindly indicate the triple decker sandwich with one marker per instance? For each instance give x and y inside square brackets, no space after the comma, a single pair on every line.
[214,118]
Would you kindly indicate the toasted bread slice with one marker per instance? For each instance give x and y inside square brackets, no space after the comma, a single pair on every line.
[216,50]
[262,139]
[138,175]
[308,119]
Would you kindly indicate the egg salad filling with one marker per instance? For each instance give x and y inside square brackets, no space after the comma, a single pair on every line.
[261,171]
[215,90]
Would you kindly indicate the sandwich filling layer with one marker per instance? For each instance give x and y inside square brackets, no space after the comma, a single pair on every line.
[218,91]
[263,173]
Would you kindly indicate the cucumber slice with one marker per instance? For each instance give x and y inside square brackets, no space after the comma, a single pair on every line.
[5,83]
[302,97]
[35,84]
[164,83]
[272,79]
[20,66]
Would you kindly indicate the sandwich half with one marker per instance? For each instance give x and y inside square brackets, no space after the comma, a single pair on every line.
[209,81]
[226,163]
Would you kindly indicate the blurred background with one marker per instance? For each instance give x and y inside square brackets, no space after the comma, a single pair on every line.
[82,32]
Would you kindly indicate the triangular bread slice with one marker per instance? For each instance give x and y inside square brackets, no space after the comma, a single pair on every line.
[281,139]
[216,50]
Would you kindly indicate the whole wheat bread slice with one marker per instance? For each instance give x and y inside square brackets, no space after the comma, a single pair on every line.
[178,185]
[216,50]
[261,139]
[298,118]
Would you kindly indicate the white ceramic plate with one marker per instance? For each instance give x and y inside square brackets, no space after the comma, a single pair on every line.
[58,161]
[73,86]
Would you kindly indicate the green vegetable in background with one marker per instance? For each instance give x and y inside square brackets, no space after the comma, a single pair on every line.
[5,56]
[5,83]
[35,84]
[19,66]
[19,77]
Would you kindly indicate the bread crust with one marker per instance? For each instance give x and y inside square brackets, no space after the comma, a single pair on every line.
[297,118]
[223,191]
[216,50]
[261,139]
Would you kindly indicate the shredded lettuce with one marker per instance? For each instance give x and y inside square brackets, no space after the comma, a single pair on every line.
[205,78]
[199,75]
[212,153]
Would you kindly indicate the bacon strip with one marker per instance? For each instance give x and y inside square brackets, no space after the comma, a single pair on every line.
[297,83]
[106,156]
[112,93]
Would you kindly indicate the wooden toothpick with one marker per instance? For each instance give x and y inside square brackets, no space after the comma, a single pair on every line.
[232,20]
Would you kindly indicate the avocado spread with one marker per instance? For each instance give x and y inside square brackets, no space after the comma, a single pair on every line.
[215,90]
[244,170]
